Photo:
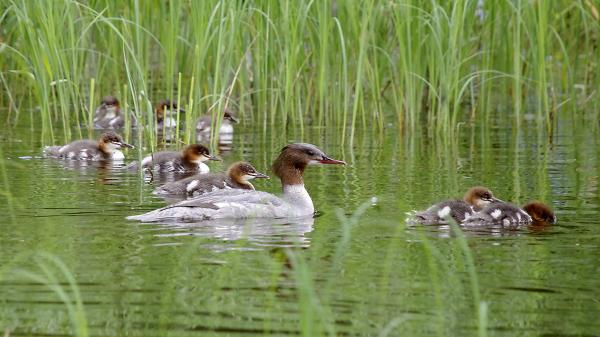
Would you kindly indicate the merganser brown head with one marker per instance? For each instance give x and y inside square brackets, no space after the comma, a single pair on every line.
[166,108]
[197,153]
[294,158]
[479,197]
[241,172]
[110,141]
[540,213]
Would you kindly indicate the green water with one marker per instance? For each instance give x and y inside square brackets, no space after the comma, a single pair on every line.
[371,277]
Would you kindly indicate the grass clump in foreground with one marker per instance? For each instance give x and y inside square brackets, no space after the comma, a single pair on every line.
[356,64]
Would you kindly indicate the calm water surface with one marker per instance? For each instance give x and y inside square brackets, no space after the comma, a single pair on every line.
[368,277]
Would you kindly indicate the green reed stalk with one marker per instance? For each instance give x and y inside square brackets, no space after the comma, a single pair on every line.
[189,114]
[479,307]
[343,78]
[314,318]
[178,104]
[90,119]
[517,63]
[324,30]
[362,50]
[431,253]
[541,33]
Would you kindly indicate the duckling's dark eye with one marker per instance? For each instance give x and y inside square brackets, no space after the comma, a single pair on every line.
[310,152]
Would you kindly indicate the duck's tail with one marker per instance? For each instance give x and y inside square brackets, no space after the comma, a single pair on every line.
[146,217]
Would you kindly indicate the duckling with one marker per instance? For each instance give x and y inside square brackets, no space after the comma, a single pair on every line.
[166,114]
[237,176]
[474,200]
[509,215]
[109,115]
[540,213]
[106,148]
[205,122]
[191,159]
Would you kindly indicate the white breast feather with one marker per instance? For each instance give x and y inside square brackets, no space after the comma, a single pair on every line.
[203,168]
[226,128]
[192,185]
[118,155]
[146,161]
[442,213]
[298,198]
[496,213]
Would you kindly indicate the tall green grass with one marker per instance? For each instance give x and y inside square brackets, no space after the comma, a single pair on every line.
[354,64]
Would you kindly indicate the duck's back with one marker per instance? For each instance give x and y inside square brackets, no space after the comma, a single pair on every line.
[499,213]
[169,161]
[198,185]
[458,210]
[79,149]
[223,204]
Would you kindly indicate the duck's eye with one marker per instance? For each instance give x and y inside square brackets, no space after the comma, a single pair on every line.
[310,152]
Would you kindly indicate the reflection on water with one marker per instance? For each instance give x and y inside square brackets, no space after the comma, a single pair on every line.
[255,278]
[256,232]
[225,140]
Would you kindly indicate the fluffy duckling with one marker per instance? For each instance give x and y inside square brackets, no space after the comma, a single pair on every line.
[106,148]
[166,114]
[474,200]
[191,159]
[205,122]
[509,215]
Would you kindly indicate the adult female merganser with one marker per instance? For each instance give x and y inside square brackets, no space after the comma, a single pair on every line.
[239,203]
[87,149]
[204,123]
[509,215]
[191,159]
[166,114]
[474,200]
[237,176]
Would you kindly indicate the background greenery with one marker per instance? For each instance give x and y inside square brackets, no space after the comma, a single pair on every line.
[356,64]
